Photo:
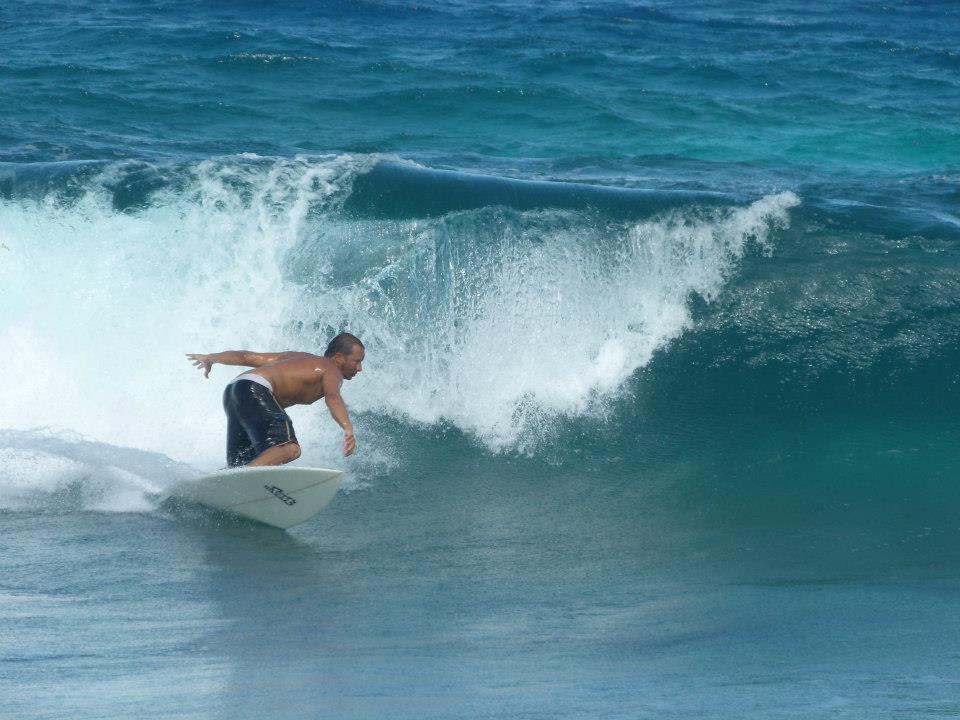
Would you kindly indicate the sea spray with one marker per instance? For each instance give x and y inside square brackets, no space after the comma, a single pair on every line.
[500,321]
[104,303]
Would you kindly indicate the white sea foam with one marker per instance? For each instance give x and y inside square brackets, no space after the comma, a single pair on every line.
[494,320]
[51,470]
[98,307]
[500,322]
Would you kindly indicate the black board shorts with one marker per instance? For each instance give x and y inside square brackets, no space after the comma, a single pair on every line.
[255,421]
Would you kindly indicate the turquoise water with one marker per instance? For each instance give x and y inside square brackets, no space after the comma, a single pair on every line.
[658,417]
[838,84]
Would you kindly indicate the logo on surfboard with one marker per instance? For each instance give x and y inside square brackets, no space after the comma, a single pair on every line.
[279,494]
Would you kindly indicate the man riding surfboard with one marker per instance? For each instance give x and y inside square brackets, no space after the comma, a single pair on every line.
[259,431]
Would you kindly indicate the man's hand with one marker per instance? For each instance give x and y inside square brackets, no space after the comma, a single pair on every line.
[349,443]
[203,362]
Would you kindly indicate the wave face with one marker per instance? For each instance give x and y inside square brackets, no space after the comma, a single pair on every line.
[495,320]
[534,325]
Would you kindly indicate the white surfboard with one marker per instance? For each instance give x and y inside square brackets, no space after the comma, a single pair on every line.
[281,496]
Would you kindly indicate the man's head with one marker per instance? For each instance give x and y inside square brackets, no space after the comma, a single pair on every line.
[347,353]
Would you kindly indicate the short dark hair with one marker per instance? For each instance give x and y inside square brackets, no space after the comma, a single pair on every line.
[343,343]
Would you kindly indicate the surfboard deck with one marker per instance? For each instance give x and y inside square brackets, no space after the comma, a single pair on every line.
[280,496]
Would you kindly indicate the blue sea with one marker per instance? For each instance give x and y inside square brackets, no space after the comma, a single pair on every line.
[661,306]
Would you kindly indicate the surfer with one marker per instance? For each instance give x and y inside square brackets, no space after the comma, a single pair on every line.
[259,431]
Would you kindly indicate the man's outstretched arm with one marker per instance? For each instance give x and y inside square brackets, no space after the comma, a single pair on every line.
[243,358]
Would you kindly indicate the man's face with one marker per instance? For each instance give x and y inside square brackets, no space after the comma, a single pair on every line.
[352,363]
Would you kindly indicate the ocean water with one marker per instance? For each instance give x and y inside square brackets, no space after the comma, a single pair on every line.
[662,312]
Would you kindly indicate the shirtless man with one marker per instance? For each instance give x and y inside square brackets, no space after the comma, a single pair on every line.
[259,432]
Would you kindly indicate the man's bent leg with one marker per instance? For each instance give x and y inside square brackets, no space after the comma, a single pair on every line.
[240,449]
[266,424]
[277,455]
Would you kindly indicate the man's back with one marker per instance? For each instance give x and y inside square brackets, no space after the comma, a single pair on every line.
[297,377]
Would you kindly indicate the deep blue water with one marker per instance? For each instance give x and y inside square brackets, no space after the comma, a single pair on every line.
[662,313]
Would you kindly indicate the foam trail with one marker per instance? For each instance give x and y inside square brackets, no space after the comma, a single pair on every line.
[57,471]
